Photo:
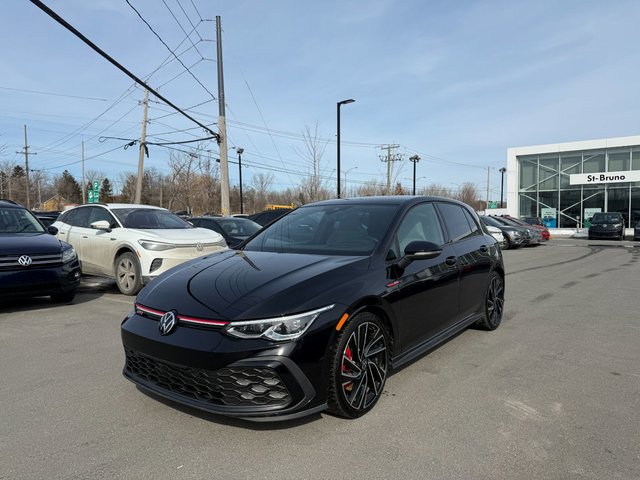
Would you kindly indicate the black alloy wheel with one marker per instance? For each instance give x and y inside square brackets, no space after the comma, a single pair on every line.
[128,277]
[494,303]
[359,368]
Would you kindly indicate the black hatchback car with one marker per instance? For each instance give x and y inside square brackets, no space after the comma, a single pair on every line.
[33,262]
[317,309]
[607,225]
[234,230]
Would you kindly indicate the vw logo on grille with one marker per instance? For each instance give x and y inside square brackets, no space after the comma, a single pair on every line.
[25,260]
[199,247]
[167,323]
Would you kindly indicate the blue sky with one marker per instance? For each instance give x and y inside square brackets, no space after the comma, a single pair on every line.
[458,82]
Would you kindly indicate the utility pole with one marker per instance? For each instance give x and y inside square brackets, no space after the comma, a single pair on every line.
[414,159]
[84,186]
[26,164]
[143,148]
[388,158]
[222,128]
[488,172]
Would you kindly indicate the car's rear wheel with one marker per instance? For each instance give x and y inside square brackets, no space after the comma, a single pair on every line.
[359,367]
[493,304]
[63,297]
[128,277]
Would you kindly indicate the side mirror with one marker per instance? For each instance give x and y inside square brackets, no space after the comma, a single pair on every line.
[419,250]
[52,230]
[101,225]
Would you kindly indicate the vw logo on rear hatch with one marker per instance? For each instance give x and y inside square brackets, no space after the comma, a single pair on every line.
[25,260]
[199,247]
[167,323]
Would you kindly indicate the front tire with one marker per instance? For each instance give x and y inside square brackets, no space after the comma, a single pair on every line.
[128,277]
[507,243]
[493,304]
[359,366]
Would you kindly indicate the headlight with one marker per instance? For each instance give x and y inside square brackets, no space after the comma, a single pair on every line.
[617,225]
[277,329]
[515,233]
[156,246]
[69,255]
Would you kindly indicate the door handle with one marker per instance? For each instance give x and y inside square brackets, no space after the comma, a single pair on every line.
[84,236]
[451,260]
[484,248]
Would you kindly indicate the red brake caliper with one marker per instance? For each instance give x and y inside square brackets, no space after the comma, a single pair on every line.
[349,386]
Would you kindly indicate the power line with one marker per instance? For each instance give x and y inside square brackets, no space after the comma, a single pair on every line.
[54,94]
[168,48]
[196,9]
[111,60]
[182,28]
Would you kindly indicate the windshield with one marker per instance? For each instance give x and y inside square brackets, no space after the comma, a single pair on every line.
[606,218]
[19,220]
[149,219]
[352,229]
[491,221]
[238,227]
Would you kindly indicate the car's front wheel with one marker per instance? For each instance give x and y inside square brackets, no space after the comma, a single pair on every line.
[360,363]
[128,277]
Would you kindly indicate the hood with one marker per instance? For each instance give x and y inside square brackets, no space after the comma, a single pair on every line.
[179,236]
[36,243]
[236,285]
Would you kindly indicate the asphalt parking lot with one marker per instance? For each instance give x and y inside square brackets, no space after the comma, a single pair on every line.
[554,393]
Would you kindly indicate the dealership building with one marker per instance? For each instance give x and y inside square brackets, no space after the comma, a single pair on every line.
[566,183]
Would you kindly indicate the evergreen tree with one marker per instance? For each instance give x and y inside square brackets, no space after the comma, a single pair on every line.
[68,187]
[106,191]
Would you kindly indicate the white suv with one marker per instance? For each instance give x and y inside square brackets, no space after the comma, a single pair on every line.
[132,243]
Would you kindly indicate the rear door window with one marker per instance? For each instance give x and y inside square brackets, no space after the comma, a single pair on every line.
[457,222]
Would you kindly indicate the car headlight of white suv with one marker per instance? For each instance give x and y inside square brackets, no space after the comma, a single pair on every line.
[156,246]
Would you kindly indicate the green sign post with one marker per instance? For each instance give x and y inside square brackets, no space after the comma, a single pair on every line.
[93,193]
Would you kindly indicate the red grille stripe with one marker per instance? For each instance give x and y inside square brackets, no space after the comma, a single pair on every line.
[149,310]
[201,321]
[183,318]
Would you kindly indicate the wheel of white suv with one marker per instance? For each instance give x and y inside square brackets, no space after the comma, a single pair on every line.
[128,276]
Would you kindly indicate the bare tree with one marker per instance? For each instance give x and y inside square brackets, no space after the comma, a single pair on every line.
[314,186]
[261,184]
[469,195]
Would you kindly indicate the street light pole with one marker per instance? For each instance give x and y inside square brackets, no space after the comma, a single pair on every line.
[240,151]
[502,171]
[343,102]
[414,159]
[345,180]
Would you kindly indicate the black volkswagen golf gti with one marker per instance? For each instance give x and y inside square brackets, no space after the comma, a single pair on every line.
[315,311]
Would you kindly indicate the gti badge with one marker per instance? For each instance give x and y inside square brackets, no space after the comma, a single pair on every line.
[25,260]
[167,323]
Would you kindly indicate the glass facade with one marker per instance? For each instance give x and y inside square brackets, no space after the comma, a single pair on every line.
[545,191]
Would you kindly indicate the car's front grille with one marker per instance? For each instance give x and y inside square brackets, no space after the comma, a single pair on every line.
[230,386]
[11,262]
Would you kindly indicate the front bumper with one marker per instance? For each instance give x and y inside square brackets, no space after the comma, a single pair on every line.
[601,232]
[40,281]
[208,370]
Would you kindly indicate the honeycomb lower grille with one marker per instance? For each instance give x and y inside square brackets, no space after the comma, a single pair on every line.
[237,387]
